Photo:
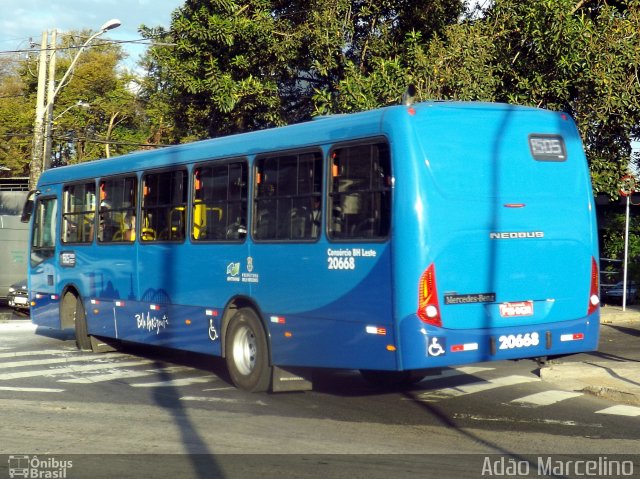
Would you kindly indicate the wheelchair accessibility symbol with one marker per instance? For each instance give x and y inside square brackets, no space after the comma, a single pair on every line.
[213,334]
[437,347]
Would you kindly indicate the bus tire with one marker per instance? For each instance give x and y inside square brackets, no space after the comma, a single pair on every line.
[247,354]
[392,379]
[83,341]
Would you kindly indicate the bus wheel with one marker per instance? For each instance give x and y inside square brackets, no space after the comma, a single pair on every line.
[246,352]
[83,341]
[392,379]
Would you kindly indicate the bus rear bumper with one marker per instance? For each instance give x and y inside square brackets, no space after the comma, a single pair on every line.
[427,346]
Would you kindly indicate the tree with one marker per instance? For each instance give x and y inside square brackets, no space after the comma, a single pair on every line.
[114,123]
[16,120]
[579,57]
[250,64]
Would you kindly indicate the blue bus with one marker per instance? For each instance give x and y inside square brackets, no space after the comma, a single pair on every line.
[394,241]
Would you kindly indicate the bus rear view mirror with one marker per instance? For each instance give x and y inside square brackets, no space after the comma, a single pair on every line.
[27,209]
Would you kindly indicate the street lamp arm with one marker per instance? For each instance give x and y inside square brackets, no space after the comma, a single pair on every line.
[42,139]
[110,25]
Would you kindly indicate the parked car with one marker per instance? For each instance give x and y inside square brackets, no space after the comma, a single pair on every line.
[615,292]
[18,296]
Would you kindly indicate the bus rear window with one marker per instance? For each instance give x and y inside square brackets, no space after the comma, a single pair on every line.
[360,192]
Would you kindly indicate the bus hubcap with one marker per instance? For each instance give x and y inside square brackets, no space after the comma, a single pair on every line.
[244,351]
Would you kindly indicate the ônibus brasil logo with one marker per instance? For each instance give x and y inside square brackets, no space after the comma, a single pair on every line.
[36,468]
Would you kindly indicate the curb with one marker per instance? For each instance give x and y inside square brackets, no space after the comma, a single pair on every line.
[614,382]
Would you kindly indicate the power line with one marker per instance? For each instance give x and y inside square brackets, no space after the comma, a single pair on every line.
[89,140]
[139,41]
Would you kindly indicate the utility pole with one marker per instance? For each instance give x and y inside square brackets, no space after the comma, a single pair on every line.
[35,168]
[48,125]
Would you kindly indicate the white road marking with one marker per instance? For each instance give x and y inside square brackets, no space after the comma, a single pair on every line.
[476,387]
[546,398]
[472,369]
[512,420]
[621,410]
[31,390]
[177,382]
[208,399]
[113,376]
[43,362]
[72,369]
[18,326]
[215,399]
[453,372]
[99,378]
[43,352]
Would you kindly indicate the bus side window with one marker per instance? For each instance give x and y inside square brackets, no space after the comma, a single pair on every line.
[288,197]
[78,216]
[360,192]
[220,201]
[164,205]
[117,209]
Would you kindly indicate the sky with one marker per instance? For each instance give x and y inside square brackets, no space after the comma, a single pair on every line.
[22,20]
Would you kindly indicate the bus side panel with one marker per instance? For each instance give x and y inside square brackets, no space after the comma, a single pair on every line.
[324,310]
[105,282]
[182,291]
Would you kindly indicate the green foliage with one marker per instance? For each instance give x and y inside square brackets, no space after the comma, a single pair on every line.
[114,123]
[579,57]
[249,64]
[613,230]
[16,120]
[227,66]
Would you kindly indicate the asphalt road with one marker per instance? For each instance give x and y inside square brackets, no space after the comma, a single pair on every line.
[140,403]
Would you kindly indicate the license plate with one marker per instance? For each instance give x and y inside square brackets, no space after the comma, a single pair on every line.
[520,308]
[20,300]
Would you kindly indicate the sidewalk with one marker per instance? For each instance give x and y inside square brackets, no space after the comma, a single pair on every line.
[612,372]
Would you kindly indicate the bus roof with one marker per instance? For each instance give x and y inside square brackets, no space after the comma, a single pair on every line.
[323,130]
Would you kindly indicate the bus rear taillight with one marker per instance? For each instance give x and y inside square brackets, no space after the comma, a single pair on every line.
[428,305]
[594,294]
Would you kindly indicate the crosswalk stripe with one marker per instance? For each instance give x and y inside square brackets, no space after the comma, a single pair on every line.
[208,399]
[472,369]
[453,372]
[176,382]
[72,369]
[18,326]
[43,352]
[31,390]
[475,387]
[113,376]
[42,362]
[621,410]
[546,398]
[99,378]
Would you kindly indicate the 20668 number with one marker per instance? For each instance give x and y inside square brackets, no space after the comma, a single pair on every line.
[512,341]
[341,263]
